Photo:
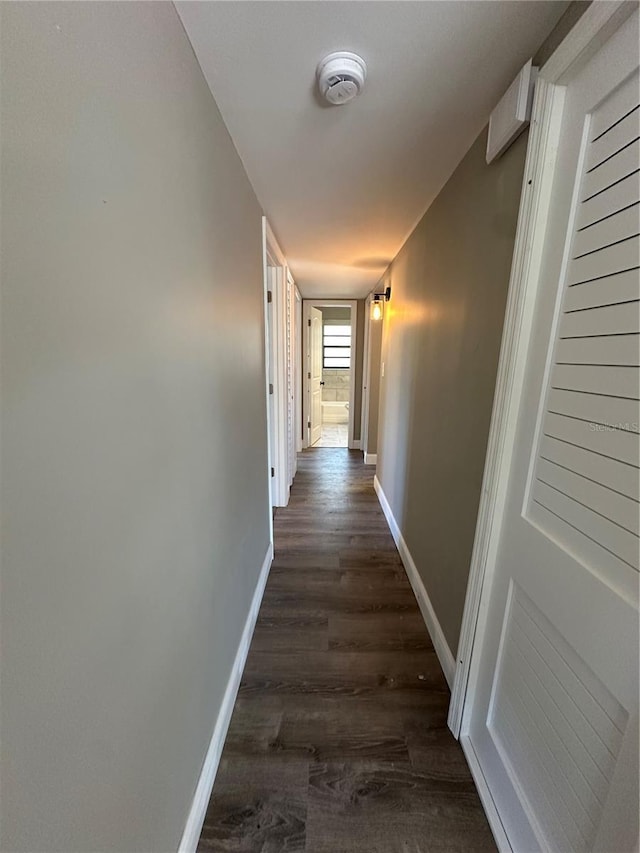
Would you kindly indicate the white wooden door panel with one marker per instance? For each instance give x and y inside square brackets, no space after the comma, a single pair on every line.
[290,390]
[601,499]
[315,362]
[616,349]
[609,290]
[623,194]
[616,227]
[556,706]
[597,262]
[605,320]
[617,476]
[617,444]
[604,176]
[592,408]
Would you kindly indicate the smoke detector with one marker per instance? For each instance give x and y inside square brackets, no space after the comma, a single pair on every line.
[341,77]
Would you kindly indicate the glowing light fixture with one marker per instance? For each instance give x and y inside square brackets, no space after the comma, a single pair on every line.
[376,305]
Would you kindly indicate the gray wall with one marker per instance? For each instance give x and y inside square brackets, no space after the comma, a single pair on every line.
[134,483]
[441,340]
[375,346]
[440,348]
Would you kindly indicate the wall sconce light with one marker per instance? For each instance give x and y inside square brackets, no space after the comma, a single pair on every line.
[376,305]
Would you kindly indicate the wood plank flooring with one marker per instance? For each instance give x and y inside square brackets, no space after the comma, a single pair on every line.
[338,741]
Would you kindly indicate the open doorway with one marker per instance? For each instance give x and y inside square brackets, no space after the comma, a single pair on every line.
[330,354]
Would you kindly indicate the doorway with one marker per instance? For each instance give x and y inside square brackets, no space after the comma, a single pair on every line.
[550,704]
[330,363]
[283,349]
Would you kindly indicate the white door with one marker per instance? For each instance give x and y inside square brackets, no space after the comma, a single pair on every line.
[315,370]
[271,372]
[554,715]
[298,373]
[366,378]
[290,332]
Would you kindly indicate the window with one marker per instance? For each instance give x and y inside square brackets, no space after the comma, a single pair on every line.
[336,346]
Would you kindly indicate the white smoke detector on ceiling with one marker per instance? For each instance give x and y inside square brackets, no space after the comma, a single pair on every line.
[341,77]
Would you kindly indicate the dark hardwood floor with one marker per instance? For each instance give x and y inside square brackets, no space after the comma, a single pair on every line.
[338,740]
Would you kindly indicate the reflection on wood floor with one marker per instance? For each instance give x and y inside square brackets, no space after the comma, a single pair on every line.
[338,741]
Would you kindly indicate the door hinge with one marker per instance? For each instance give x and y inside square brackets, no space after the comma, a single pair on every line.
[309,375]
[273,472]
[308,322]
[271,387]
[309,425]
[269,296]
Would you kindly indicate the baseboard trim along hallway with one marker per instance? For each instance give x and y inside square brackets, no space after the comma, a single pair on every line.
[445,656]
[370,458]
[207,778]
[498,830]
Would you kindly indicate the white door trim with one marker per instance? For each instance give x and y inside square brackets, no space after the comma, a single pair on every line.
[298,369]
[267,346]
[366,376]
[329,303]
[277,352]
[598,22]
[290,375]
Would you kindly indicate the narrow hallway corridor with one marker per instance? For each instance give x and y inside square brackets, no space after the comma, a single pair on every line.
[338,740]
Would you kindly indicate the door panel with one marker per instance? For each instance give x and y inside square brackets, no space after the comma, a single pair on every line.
[271,372]
[556,709]
[315,368]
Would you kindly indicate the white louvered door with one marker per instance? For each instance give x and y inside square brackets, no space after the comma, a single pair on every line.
[554,724]
[315,370]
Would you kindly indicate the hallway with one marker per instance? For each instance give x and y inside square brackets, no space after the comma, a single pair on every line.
[338,740]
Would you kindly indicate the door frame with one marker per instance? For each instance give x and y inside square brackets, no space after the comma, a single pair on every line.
[596,25]
[276,355]
[267,357]
[298,371]
[290,376]
[328,303]
[366,374]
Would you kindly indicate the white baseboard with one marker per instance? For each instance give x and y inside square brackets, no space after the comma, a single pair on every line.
[499,834]
[370,458]
[201,797]
[445,656]
[355,444]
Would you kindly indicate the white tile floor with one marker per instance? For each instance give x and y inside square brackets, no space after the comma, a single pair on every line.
[333,435]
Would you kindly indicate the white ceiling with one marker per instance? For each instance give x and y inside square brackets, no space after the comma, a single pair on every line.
[344,186]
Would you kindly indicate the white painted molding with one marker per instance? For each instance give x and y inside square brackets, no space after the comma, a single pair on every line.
[597,24]
[445,656]
[355,444]
[546,119]
[298,371]
[204,787]
[277,255]
[370,458]
[265,320]
[499,834]
[276,279]
[281,384]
